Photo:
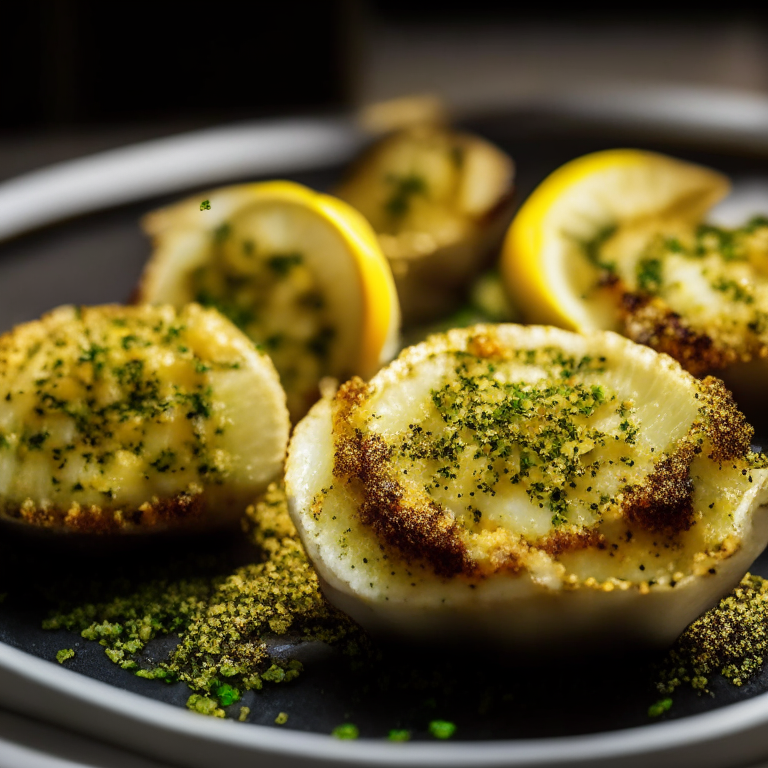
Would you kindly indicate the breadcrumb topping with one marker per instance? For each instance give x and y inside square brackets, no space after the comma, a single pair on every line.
[551,437]
[700,295]
[117,419]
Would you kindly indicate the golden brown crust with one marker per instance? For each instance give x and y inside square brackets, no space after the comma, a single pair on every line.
[663,502]
[417,528]
[560,542]
[729,434]
[650,321]
[411,524]
[158,514]
[486,346]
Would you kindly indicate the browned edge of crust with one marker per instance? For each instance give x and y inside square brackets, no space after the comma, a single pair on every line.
[651,322]
[726,427]
[663,502]
[157,514]
[416,528]
[561,542]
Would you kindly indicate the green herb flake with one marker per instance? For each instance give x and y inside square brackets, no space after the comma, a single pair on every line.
[650,275]
[36,441]
[64,654]
[442,729]
[592,248]
[265,598]
[399,734]
[660,707]
[282,263]
[282,718]
[227,695]
[405,189]
[222,232]
[346,732]
[204,705]
[205,205]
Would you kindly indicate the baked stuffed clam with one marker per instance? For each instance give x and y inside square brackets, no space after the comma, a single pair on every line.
[529,486]
[439,201]
[620,240]
[135,419]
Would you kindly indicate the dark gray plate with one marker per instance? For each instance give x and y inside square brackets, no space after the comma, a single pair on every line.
[515,711]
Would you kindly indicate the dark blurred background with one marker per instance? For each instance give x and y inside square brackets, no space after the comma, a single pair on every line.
[81,62]
[82,75]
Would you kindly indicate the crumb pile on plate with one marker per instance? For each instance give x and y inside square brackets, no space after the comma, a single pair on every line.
[227,624]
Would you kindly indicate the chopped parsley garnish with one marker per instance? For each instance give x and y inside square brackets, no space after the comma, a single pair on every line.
[593,248]
[649,275]
[535,433]
[660,707]
[346,732]
[442,729]
[222,232]
[227,695]
[36,441]
[405,189]
[736,291]
[282,263]
[241,316]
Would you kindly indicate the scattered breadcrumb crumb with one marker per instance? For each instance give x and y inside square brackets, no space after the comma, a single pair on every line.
[224,622]
[730,640]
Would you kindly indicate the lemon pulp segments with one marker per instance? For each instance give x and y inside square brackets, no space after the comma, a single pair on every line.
[299,271]
[543,261]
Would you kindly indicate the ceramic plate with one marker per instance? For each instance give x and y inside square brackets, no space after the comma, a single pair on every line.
[70,234]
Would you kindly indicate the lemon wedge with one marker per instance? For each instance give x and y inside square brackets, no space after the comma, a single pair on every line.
[135,419]
[549,258]
[530,486]
[299,272]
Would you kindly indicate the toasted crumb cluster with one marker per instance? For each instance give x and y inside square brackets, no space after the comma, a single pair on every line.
[415,527]
[648,320]
[727,430]
[131,419]
[664,501]
[226,623]
[730,640]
